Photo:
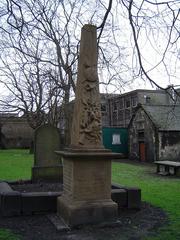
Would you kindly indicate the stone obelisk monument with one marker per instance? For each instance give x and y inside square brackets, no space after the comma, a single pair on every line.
[86,196]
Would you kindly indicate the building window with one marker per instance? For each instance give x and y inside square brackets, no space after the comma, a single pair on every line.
[148,100]
[114,120]
[103,114]
[103,108]
[127,103]
[114,106]
[121,115]
[121,103]
[116,140]
[127,115]
[141,135]
[134,101]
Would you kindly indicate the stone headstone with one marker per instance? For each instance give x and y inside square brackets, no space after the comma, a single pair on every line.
[47,164]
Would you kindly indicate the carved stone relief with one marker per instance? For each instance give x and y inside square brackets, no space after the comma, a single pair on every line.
[87,123]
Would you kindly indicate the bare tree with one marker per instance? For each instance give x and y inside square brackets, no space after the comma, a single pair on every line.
[156,23]
[30,85]
[39,55]
[40,39]
[38,76]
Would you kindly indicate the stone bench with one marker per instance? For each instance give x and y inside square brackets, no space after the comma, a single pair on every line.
[168,168]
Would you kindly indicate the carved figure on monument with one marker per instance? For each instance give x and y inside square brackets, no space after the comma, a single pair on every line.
[90,77]
[86,128]
[90,126]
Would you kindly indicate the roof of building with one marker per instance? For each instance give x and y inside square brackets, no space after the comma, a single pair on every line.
[130,93]
[165,117]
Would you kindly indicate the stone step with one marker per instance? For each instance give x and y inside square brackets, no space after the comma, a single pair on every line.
[58,222]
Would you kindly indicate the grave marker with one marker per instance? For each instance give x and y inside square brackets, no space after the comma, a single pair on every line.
[47,164]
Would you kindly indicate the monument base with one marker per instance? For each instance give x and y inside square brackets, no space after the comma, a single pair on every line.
[76,213]
[47,174]
[86,194]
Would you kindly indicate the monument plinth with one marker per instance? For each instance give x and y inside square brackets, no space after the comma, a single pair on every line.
[86,196]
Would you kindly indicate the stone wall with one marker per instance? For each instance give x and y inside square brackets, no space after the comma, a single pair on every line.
[169,146]
[15,133]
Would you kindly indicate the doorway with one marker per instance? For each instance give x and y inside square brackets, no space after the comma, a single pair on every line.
[142,151]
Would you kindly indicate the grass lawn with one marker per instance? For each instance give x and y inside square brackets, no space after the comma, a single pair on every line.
[160,191]
[15,164]
[6,234]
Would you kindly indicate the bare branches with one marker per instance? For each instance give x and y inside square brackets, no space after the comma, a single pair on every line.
[42,67]
[101,27]
[140,23]
[136,43]
[39,47]
[13,19]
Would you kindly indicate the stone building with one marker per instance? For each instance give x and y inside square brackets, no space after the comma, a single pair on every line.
[117,109]
[154,133]
[14,132]
[123,106]
[105,108]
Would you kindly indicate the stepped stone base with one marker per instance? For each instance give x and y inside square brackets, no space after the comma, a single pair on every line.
[83,212]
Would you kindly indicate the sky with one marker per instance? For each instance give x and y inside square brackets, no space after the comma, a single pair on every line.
[153,39]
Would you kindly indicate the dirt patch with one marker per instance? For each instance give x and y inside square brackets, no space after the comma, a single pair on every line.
[130,225]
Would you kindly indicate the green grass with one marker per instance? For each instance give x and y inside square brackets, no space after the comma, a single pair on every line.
[15,164]
[160,191]
[6,234]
